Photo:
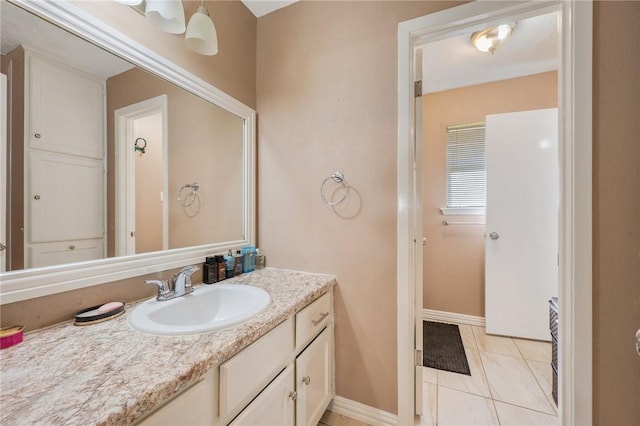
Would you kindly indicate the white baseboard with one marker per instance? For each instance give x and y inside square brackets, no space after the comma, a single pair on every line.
[442,316]
[362,413]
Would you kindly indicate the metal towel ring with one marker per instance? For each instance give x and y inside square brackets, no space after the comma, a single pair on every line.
[194,186]
[338,178]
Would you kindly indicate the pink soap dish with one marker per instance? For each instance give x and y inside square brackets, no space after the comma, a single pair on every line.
[11,336]
[99,313]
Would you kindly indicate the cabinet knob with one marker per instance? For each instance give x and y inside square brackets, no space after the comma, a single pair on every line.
[293,395]
[36,197]
[2,247]
[494,236]
[72,247]
[306,380]
[37,135]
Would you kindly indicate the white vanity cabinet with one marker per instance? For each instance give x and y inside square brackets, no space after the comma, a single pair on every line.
[284,378]
[312,365]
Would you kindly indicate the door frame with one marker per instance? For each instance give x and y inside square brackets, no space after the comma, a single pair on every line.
[575,219]
[125,171]
[4,165]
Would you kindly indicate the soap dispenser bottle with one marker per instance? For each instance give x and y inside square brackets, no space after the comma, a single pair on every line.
[221,267]
[238,265]
[229,261]
[210,270]
[260,259]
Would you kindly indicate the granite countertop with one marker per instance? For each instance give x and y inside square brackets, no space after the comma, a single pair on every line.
[111,374]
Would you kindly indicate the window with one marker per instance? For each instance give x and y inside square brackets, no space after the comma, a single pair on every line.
[466,171]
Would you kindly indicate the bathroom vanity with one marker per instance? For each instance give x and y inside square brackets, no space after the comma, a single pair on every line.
[275,368]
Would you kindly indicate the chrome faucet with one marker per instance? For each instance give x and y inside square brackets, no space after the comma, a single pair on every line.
[181,283]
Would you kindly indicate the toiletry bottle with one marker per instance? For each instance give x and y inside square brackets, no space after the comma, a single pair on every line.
[238,263]
[249,259]
[229,264]
[260,259]
[221,267]
[210,271]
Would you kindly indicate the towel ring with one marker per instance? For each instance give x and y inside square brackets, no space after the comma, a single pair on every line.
[338,178]
[194,186]
[140,147]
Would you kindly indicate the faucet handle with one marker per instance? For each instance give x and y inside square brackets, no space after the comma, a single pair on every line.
[187,271]
[163,288]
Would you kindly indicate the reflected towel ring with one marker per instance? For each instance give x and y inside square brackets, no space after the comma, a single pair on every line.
[338,178]
[137,147]
[194,186]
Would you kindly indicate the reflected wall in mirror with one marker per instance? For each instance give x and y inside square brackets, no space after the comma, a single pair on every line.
[100,151]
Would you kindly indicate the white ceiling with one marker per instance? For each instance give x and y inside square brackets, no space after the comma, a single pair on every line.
[262,7]
[455,62]
[19,27]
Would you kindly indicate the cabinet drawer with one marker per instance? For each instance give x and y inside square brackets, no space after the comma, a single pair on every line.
[312,319]
[63,252]
[244,375]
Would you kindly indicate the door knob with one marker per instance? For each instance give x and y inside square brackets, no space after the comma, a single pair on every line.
[494,236]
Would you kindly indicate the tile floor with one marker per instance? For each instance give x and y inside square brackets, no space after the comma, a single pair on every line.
[510,384]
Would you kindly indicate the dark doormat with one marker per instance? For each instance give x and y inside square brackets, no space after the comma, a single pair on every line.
[443,347]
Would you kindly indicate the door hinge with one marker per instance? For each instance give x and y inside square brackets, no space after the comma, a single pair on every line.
[417,88]
[419,358]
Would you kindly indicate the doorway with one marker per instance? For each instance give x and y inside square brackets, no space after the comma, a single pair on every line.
[575,192]
[142,218]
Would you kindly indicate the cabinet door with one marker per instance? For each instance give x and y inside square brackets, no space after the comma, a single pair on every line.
[65,198]
[65,109]
[314,379]
[197,406]
[274,406]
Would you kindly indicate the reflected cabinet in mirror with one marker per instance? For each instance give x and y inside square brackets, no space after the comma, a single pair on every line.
[111,156]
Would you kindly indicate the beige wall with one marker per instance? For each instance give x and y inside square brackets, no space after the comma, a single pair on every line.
[454,257]
[204,146]
[616,172]
[327,101]
[232,70]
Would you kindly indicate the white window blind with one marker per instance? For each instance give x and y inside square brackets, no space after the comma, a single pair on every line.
[466,171]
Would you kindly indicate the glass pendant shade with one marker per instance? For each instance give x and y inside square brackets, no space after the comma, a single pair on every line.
[168,15]
[201,34]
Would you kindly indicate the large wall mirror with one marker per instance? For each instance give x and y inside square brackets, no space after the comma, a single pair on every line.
[117,162]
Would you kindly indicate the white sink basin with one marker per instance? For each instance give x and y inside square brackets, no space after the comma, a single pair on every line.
[208,308]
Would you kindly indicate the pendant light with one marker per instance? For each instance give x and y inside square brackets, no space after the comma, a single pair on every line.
[168,15]
[201,36]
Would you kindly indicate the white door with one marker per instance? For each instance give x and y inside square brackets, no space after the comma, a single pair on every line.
[521,272]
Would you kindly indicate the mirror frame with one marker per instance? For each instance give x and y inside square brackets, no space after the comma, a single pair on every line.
[36,282]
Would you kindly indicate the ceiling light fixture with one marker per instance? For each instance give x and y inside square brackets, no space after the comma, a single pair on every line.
[490,39]
[168,15]
[201,34]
